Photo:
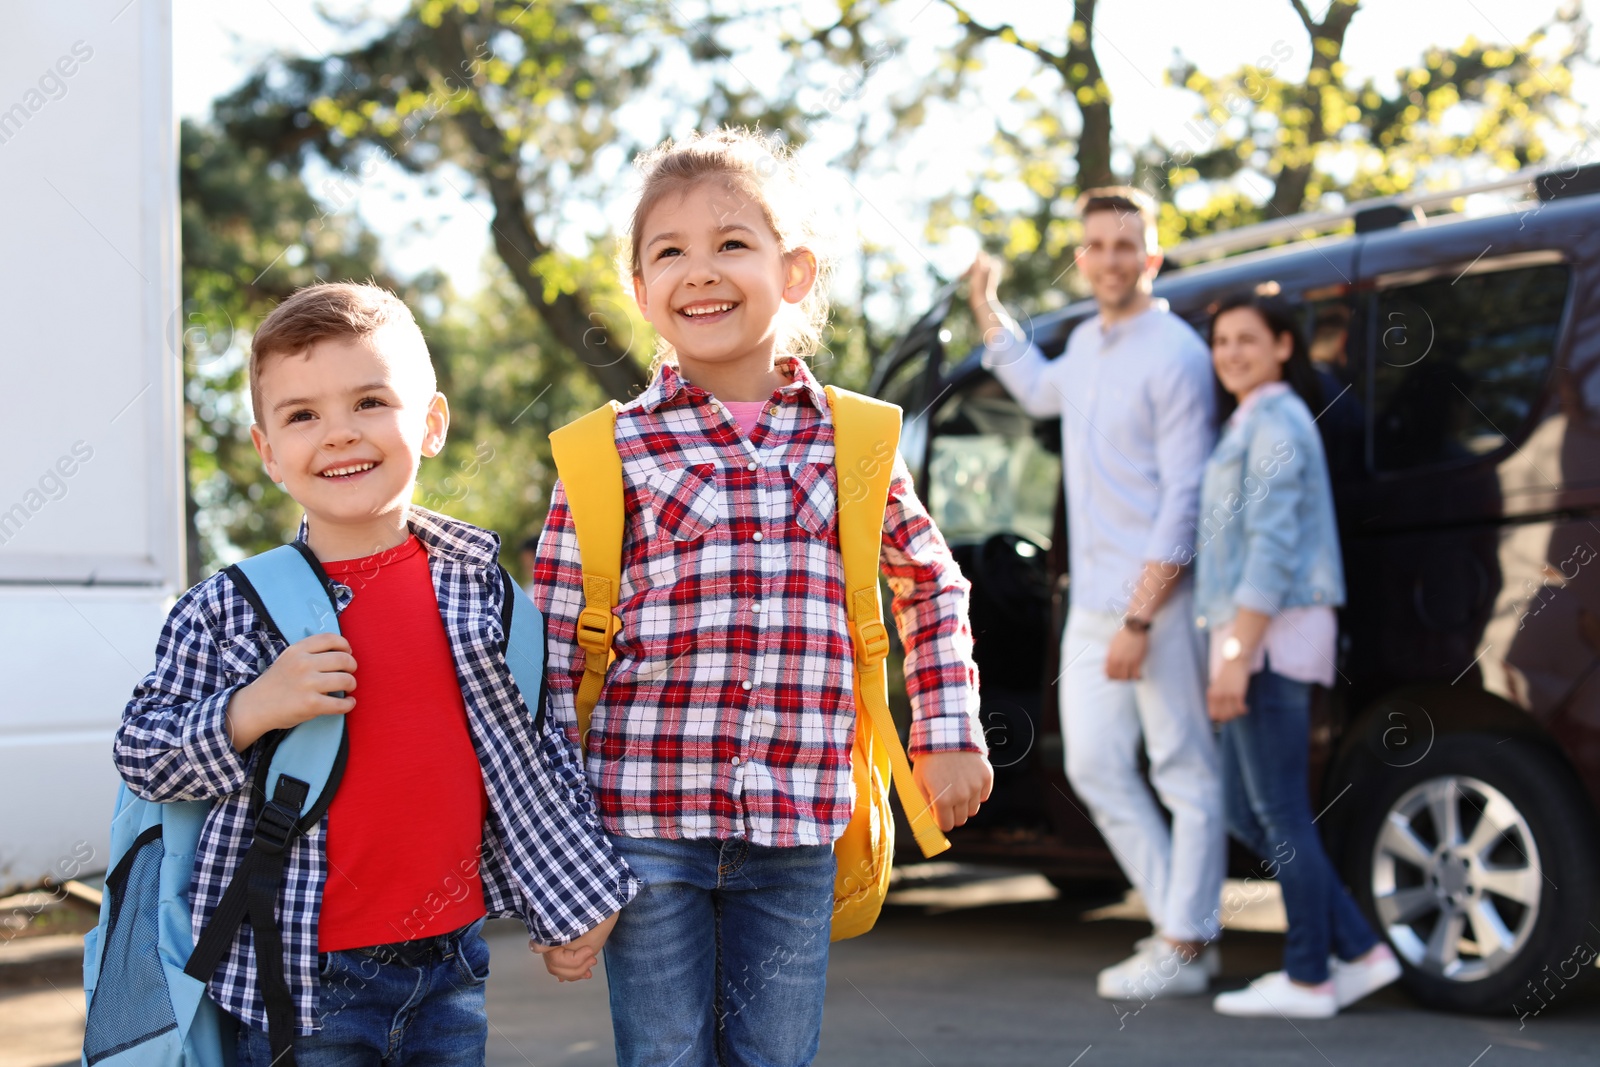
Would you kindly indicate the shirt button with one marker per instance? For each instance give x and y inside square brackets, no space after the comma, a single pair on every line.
[746,686]
[756,607]
[734,761]
[756,536]
[774,409]
[752,465]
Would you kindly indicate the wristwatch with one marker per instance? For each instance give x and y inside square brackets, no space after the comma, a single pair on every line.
[1138,626]
[1232,649]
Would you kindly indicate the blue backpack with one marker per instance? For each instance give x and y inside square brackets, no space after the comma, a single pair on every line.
[143,972]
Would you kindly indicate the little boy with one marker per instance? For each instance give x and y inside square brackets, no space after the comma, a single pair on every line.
[453,805]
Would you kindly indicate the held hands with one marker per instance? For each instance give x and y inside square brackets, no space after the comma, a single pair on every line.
[574,961]
[1225,697]
[295,688]
[955,783]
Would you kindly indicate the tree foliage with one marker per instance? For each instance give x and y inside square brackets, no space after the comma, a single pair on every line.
[534,110]
[524,99]
[252,234]
[1491,104]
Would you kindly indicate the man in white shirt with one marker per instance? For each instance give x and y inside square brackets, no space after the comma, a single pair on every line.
[1136,398]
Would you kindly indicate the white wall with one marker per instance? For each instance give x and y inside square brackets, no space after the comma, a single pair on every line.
[91,536]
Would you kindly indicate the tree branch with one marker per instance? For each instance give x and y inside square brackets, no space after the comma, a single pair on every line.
[1094,137]
[517,242]
[1305,16]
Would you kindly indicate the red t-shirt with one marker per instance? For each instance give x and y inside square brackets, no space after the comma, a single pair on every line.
[406,826]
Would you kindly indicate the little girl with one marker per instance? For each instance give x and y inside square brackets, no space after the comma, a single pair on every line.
[720,748]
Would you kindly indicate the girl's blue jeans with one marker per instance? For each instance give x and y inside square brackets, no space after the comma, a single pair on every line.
[1264,758]
[722,958]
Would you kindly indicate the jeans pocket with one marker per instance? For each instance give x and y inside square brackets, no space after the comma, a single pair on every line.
[472,955]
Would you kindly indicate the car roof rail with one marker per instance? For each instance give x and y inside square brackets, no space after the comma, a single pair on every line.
[1580,181]
[1381,213]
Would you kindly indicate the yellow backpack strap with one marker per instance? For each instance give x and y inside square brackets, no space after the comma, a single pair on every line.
[586,458]
[866,433]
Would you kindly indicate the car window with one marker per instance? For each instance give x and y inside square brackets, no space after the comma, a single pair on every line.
[907,382]
[993,469]
[1460,363]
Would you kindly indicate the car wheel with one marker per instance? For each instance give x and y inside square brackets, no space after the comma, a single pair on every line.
[1476,864]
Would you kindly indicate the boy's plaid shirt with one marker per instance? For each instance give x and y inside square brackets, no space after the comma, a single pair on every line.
[544,858]
[729,711]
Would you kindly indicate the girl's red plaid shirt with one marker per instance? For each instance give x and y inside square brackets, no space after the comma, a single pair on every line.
[729,711]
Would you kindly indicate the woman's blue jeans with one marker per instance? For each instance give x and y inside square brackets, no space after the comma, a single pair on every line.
[722,958]
[1264,758]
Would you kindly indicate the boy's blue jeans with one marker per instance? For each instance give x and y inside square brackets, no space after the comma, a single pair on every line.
[722,958]
[1264,758]
[421,1007]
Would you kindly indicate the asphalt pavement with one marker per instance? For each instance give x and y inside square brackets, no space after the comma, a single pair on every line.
[1013,985]
[967,971]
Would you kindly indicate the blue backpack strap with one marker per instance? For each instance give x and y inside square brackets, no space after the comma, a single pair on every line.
[297,773]
[294,595]
[524,628]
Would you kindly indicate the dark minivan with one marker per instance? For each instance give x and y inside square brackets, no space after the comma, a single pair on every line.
[1456,763]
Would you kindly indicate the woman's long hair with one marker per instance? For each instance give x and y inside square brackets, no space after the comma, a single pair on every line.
[1280,317]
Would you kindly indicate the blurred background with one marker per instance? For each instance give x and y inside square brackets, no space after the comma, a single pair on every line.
[475,157]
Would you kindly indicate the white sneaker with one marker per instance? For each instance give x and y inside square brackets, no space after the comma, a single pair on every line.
[1358,978]
[1274,996]
[1155,970]
[1210,956]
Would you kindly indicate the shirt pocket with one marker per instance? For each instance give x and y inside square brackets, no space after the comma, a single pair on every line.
[816,497]
[685,501]
[245,656]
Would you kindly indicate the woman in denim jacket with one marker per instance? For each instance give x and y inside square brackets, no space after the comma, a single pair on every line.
[1267,580]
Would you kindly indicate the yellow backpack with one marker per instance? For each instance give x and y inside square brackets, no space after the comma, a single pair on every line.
[591,470]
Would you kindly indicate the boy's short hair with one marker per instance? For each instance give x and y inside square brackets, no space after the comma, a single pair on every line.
[1124,200]
[329,311]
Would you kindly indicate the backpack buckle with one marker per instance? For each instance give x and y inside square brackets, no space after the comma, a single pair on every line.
[596,628]
[872,642]
[275,827]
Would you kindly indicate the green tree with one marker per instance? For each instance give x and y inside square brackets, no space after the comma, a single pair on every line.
[524,98]
[1496,104]
[508,380]
[1262,145]
[251,235]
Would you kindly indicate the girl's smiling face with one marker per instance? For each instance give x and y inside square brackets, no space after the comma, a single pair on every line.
[714,277]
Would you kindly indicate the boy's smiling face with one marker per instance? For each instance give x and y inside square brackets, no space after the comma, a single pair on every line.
[345,425]
[714,275]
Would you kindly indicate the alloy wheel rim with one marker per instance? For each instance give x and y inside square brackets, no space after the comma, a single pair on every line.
[1456,878]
